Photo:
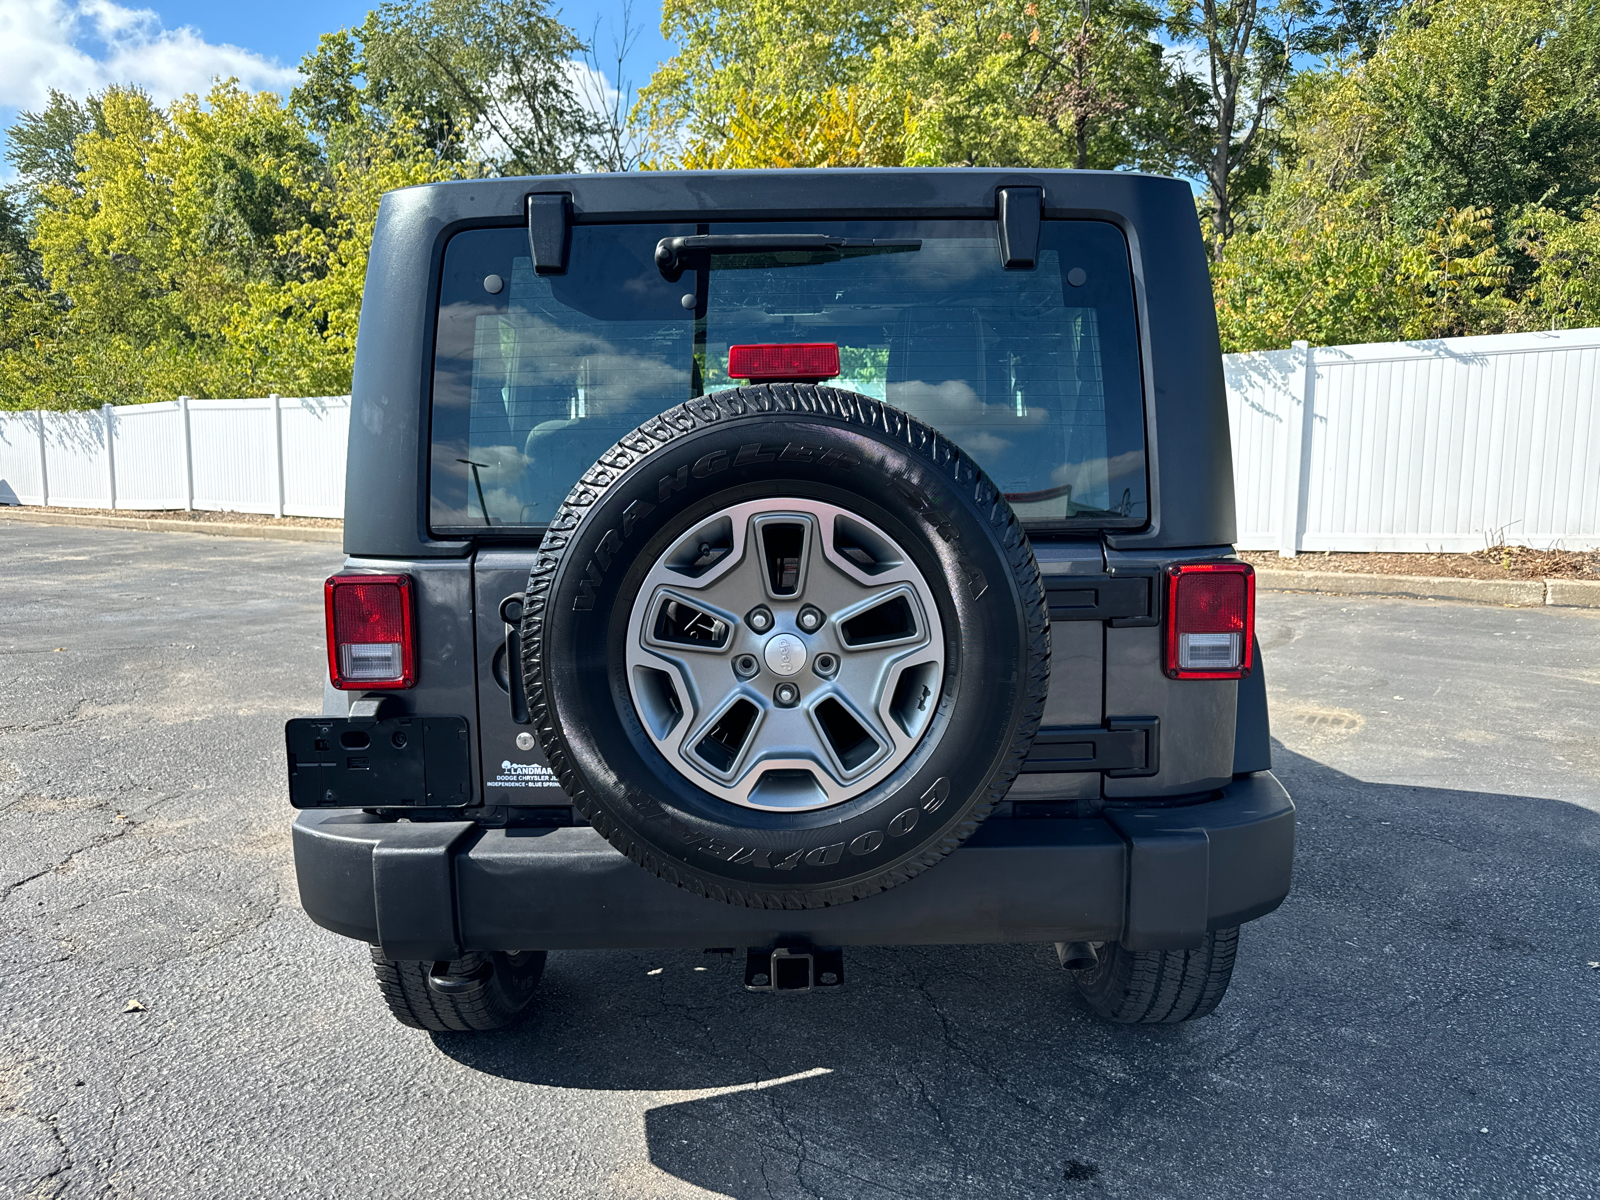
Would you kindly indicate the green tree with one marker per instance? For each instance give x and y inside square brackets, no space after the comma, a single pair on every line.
[731,51]
[39,148]
[1089,73]
[16,234]
[333,96]
[1440,187]
[1487,104]
[1220,89]
[977,82]
[1359,25]
[1565,251]
[41,145]
[1332,277]
[841,127]
[1049,83]
[213,248]
[489,83]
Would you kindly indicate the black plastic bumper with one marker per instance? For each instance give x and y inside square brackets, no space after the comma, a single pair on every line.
[1152,878]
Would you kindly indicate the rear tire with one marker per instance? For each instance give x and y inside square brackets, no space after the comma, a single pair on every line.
[473,993]
[1159,987]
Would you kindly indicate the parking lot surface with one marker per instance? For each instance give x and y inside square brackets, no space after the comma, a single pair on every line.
[1417,1020]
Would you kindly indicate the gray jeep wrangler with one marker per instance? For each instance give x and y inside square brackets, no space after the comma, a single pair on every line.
[784,561]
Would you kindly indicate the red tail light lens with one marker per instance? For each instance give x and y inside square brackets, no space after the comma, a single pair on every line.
[799,362]
[371,640]
[1211,620]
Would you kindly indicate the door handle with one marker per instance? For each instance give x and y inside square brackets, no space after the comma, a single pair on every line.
[511,614]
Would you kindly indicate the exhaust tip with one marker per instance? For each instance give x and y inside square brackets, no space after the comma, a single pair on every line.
[1076,956]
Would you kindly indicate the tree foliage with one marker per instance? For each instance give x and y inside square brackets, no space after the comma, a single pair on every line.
[1447,184]
[208,248]
[490,84]
[840,127]
[1213,114]
[991,83]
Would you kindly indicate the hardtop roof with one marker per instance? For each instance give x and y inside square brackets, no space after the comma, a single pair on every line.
[839,192]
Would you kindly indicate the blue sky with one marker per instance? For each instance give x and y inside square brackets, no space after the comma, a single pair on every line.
[174,47]
[286,31]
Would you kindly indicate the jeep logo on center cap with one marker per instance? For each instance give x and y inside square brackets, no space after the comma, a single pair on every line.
[785,654]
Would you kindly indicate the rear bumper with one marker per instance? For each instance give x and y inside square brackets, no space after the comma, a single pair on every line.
[1154,879]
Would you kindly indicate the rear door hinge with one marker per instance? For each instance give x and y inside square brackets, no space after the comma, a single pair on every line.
[1123,597]
[549,225]
[1122,747]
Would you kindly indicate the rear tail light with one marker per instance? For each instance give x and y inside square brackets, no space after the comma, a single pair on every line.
[1211,620]
[371,639]
[796,362]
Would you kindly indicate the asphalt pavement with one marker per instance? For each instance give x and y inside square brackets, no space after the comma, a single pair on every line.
[1419,1019]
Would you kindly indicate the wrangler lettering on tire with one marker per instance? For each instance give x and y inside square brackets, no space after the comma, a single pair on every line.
[785,646]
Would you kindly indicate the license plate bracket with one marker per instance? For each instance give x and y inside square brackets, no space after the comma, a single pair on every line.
[397,762]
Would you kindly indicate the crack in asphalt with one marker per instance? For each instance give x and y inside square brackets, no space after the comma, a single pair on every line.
[67,718]
[120,831]
[68,1159]
[49,1121]
[938,1113]
[124,824]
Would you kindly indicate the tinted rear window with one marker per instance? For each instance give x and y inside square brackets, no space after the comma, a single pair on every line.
[1035,373]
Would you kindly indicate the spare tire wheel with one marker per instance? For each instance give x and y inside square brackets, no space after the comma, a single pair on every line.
[785,646]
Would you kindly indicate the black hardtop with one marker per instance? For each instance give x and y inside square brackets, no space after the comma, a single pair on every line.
[1191,484]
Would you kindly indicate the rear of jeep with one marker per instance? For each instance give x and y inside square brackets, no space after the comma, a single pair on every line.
[786,561]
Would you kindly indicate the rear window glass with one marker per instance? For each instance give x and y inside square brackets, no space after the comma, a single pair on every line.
[1034,373]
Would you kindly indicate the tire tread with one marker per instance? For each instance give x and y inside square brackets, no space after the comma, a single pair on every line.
[494,1003]
[1160,987]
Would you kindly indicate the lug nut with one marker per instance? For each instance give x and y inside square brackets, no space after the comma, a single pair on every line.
[759,618]
[810,619]
[825,665]
[745,666]
[786,694]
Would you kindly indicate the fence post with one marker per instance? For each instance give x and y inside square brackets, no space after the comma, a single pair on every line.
[1297,455]
[111,456]
[277,454]
[44,463]
[188,456]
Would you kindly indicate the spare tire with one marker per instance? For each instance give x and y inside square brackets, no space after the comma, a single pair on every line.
[785,646]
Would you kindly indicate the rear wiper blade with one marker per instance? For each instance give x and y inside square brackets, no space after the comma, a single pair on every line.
[673,253]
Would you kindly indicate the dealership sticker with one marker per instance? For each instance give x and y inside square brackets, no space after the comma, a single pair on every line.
[524,775]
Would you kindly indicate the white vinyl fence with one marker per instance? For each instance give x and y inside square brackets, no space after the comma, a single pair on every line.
[1444,445]
[272,455]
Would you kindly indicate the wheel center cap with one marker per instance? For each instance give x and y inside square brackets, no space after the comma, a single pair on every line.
[785,654]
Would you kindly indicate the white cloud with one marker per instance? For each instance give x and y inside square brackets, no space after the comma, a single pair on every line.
[48,44]
[593,90]
[1188,57]
[590,87]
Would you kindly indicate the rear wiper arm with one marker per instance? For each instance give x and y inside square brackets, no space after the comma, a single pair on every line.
[673,253]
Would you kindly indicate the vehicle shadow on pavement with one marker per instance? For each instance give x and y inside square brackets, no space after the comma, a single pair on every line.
[1415,1020]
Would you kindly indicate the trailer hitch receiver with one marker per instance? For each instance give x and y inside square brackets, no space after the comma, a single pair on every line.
[794,969]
